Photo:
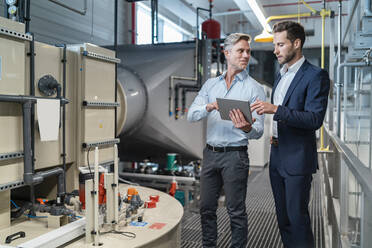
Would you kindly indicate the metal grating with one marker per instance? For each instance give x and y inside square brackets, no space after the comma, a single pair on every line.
[262,226]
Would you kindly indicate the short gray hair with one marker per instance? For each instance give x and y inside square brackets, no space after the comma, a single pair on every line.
[234,38]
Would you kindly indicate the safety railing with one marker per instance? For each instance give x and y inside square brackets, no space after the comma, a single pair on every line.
[348,192]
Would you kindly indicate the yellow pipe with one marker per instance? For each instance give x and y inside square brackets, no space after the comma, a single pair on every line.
[323,14]
[308,6]
[266,36]
[270,18]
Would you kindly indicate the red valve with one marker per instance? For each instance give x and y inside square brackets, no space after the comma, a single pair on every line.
[150,204]
[154,198]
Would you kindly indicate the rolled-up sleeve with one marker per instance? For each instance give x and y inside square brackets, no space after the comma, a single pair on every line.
[197,110]
[258,125]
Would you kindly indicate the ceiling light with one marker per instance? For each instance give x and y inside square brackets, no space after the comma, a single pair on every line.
[260,16]
[264,37]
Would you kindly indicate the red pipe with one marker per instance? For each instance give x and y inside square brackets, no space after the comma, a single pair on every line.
[133,23]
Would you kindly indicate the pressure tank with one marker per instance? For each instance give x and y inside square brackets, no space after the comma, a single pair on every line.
[212,29]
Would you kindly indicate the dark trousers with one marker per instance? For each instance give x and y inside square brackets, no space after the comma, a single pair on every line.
[230,170]
[291,195]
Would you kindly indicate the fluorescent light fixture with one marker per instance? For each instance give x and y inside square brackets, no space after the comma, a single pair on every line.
[260,16]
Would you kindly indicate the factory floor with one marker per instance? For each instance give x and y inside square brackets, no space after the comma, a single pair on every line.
[262,226]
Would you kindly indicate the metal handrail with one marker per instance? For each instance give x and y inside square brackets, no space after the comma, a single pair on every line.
[362,174]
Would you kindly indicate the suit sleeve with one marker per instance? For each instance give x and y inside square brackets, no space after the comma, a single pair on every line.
[315,105]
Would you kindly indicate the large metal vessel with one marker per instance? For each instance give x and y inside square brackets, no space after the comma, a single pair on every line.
[147,129]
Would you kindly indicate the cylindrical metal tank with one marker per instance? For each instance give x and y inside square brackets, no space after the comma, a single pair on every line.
[212,29]
[146,129]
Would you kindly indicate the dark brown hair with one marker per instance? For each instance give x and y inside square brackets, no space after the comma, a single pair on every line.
[294,30]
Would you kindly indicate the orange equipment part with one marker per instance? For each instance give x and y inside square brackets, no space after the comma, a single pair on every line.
[173,188]
[42,201]
[131,192]
[101,190]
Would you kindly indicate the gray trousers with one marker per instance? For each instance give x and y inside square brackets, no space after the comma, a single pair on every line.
[230,170]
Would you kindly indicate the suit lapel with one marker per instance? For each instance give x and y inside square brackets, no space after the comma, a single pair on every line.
[296,80]
[275,84]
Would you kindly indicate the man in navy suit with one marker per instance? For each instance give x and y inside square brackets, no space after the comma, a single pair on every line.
[298,103]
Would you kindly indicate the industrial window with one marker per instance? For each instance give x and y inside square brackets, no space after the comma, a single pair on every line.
[168,30]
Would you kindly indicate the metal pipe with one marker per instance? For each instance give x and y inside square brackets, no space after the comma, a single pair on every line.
[197,20]
[49,173]
[40,176]
[172,78]
[116,64]
[23,99]
[27,173]
[210,9]
[154,21]
[29,177]
[64,116]
[116,182]
[95,204]
[28,18]
[345,86]
[218,48]
[81,12]
[134,23]
[232,13]
[21,11]
[183,86]
[339,85]
[60,195]
[6,14]
[32,93]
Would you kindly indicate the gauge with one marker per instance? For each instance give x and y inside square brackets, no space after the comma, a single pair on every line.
[12,10]
[11,2]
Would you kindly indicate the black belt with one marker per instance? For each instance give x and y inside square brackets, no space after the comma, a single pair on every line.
[274,141]
[226,148]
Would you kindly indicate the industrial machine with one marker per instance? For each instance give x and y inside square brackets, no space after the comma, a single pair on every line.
[57,118]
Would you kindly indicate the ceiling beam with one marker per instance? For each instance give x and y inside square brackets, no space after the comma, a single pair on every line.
[251,17]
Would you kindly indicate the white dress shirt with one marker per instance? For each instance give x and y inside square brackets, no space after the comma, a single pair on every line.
[287,74]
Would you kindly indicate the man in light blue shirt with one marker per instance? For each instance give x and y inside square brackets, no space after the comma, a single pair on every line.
[225,158]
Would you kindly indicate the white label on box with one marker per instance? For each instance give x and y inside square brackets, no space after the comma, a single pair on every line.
[0,67]
[48,117]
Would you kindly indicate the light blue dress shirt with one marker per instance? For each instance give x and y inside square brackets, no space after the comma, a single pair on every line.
[222,132]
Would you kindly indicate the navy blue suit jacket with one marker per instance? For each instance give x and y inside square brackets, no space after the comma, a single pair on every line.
[300,115]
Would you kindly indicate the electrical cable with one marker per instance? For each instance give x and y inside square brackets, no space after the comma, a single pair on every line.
[126,234]
[14,204]
[35,217]
[128,182]
[90,171]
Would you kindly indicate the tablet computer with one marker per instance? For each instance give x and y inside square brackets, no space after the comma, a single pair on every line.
[226,105]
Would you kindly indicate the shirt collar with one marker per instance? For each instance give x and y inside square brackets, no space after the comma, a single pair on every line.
[293,68]
[240,76]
